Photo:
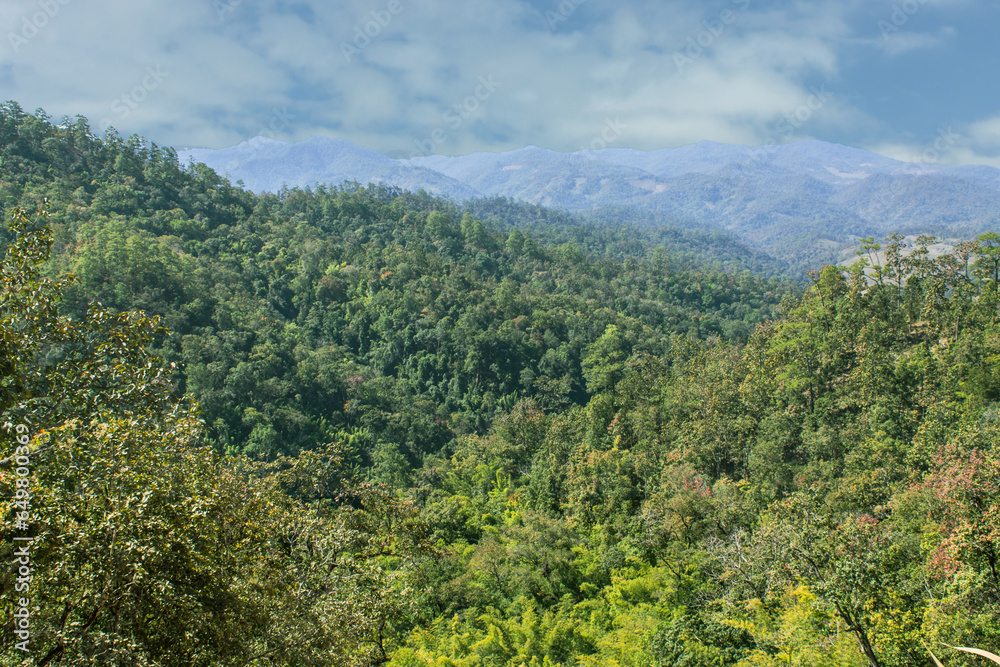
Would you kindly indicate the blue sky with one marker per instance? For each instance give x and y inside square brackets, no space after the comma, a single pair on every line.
[912,79]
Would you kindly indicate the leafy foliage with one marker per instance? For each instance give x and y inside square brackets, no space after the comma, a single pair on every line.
[390,318]
[422,437]
[145,547]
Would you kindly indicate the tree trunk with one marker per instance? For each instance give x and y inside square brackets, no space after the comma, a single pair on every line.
[861,635]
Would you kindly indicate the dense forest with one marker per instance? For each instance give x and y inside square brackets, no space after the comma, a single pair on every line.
[358,426]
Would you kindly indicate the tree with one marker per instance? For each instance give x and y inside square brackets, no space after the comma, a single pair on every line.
[474,232]
[604,364]
[988,263]
[144,546]
[53,367]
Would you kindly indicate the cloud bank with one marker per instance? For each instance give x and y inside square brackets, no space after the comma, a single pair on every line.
[407,77]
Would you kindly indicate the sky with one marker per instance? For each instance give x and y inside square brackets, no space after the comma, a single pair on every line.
[913,80]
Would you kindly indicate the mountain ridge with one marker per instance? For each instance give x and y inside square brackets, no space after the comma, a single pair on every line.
[807,202]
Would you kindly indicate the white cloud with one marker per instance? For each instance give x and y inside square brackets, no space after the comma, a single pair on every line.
[972,143]
[895,43]
[927,154]
[264,67]
[986,133]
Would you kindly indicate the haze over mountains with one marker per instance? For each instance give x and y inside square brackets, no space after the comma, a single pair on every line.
[807,202]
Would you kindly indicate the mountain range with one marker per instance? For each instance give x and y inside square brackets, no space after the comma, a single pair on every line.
[807,202]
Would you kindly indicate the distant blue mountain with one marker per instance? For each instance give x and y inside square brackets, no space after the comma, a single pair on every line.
[265,165]
[804,201]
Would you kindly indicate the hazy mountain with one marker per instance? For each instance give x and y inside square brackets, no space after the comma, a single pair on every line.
[265,165]
[808,201]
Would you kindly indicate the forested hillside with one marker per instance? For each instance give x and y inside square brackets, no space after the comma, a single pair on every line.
[622,232]
[386,430]
[368,313]
[805,202]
